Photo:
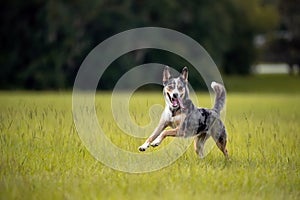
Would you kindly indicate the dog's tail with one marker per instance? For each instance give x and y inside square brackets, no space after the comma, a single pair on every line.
[220,96]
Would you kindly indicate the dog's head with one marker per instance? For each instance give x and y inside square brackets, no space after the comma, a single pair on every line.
[175,89]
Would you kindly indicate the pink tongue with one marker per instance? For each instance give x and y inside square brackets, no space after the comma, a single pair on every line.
[180,103]
[176,102]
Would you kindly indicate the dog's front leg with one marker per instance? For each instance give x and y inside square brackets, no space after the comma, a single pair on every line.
[161,126]
[167,133]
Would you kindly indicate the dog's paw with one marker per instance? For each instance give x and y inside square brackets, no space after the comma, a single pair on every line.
[156,142]
[143,147]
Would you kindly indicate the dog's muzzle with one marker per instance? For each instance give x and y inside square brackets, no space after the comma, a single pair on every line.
[175,100]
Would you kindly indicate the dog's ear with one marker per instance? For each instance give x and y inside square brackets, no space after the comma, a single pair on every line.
[166,75]
[185,73]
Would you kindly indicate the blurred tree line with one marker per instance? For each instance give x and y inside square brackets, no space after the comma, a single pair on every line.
[283,45]
[43,42]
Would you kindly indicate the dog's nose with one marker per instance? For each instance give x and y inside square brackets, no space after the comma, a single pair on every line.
[175,95]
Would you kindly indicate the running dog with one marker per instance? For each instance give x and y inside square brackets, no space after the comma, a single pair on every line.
[185,119]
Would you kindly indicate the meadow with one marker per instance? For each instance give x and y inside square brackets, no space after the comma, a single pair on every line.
[42,157]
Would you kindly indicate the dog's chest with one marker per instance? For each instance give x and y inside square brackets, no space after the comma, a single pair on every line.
[176,120]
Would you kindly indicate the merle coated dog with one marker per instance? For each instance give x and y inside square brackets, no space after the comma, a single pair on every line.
[185,119]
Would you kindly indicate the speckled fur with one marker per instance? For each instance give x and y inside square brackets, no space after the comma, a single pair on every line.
[186,119]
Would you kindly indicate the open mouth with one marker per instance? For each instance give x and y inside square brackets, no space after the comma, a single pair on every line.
[175,101]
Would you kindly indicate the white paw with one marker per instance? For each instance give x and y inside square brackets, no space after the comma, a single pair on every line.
[144,147]
[156,142]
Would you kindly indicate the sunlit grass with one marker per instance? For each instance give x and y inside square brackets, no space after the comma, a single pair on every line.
[42,157]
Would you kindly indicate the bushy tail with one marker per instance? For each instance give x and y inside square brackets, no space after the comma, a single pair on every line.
[220,96]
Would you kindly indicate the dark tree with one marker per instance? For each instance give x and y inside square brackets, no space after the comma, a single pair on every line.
[43,43]
[290,20]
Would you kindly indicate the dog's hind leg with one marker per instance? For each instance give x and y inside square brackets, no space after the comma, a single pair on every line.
[221,140]
[199,142]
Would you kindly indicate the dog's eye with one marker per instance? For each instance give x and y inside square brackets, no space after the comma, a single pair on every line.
[180,88]
[170,87]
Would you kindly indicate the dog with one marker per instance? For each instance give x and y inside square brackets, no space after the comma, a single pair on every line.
[185,119]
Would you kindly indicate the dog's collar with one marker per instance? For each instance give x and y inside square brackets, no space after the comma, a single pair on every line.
[173,111]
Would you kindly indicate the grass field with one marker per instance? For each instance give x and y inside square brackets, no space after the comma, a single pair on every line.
[42,157]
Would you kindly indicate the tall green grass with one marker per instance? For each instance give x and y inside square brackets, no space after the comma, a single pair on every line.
[42,157]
